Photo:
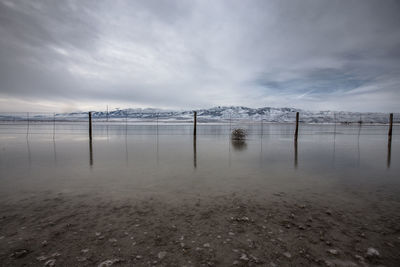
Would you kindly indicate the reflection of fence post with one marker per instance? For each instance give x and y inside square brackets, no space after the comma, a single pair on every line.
[54,125]
[27,121]
[390,124]
[90,125]
[195,123]
[297,125]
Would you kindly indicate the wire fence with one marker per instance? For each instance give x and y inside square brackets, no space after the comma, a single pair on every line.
[167,122]
[202,117]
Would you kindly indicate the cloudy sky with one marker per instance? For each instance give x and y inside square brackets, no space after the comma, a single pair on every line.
[81,55]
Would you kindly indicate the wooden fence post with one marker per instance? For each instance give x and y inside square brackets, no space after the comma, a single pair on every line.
[297,125]
[195,123]
[390,124]
[90,125]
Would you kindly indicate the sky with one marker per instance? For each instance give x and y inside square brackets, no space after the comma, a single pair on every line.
[62,56]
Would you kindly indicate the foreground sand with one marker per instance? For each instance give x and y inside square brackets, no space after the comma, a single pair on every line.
[278,230]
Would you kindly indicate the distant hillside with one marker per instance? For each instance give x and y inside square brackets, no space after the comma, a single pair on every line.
[215,114]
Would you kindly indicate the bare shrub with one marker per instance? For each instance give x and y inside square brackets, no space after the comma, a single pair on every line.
[238,134]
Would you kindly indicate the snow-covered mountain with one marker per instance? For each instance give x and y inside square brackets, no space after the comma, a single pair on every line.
[215,114]
[267,114]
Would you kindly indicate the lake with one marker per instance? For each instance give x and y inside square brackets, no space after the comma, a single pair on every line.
[166,159]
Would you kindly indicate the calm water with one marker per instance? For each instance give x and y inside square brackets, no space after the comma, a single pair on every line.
[132,160]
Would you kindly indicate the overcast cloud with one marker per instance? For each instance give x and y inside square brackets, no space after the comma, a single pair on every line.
[319,55]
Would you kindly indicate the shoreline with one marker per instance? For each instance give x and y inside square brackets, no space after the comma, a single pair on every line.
[227,230]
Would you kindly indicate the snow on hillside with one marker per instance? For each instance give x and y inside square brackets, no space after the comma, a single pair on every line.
[215,114]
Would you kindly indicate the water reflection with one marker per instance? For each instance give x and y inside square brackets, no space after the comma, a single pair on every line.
[257,157]
[29,151]
[195,151]
[358,145]
[334,146]
[54,151]
[239,145]
[295,153]
[126,146]
[389,150]
[90,152]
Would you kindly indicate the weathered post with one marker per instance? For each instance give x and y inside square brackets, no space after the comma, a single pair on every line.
[390,124]
[297,125]
[90,125]
[195,123]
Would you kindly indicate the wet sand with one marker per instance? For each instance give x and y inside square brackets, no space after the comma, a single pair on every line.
[280,229]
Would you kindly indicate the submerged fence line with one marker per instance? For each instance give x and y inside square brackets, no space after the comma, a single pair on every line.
[297,119]
[203,117]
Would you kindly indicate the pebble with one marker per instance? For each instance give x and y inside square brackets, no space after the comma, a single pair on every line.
[244,257]
[41,258]
[359,258]
[329,263]
[107,263]
[20,253]
[287,255]
[81,259]
[50,263]
[85,250]
[333,251]
[329,212]
[372,253]
[161,254]
[206,245]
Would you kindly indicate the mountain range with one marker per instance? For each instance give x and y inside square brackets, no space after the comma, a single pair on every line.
[215,114]
[227,113]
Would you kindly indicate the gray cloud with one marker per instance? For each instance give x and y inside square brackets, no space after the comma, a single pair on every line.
[188,54]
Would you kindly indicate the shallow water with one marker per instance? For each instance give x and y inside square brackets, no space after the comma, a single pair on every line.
[166,160]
